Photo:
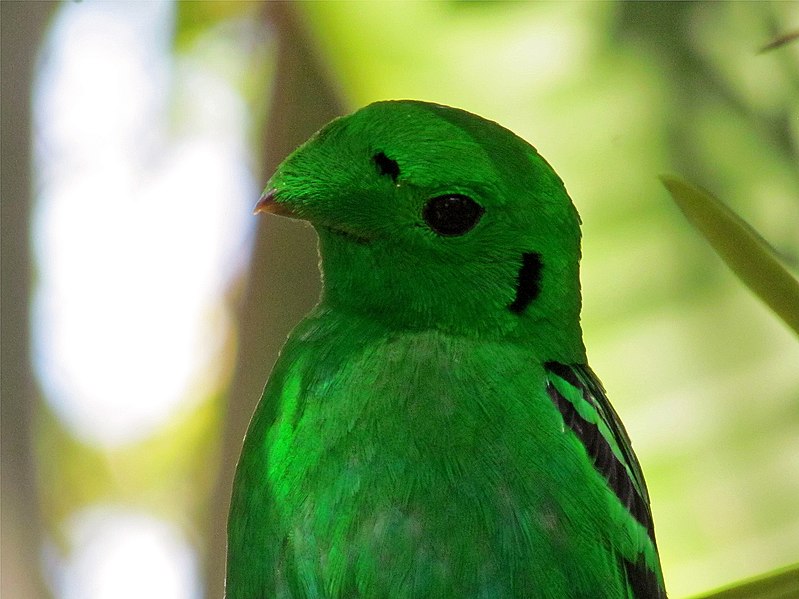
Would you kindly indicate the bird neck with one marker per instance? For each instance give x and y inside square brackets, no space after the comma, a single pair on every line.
[411,296]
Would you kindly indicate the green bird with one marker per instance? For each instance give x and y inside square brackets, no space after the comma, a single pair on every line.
[439,433]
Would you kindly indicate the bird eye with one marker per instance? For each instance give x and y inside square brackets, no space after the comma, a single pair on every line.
[453,214]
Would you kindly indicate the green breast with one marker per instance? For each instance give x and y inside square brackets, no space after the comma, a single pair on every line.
[417,465]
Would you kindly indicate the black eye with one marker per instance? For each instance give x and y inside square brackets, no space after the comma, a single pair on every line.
[453,214]
[386,166]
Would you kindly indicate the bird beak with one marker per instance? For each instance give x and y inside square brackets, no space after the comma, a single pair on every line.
[268,203]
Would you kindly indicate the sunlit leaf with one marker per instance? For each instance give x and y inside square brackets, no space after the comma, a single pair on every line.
[741,247]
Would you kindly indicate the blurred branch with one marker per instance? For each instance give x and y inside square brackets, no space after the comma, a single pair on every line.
[283,284]
[22,27]
[779,41]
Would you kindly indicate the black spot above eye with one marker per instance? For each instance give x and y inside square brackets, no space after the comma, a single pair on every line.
[386,166]
[452,214]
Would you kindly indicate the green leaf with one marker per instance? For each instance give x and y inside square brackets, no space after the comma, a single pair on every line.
[748,255]
[780,584]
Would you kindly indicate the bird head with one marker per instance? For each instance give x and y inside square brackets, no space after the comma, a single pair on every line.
[430,217]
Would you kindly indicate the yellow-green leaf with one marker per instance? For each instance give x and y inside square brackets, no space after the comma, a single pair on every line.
[780,584]
[741,247]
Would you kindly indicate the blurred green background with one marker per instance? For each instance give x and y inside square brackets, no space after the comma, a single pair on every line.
[142,305]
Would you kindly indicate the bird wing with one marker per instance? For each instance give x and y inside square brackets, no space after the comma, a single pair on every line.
[579,396]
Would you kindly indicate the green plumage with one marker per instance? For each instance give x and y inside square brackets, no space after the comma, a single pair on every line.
[438,433]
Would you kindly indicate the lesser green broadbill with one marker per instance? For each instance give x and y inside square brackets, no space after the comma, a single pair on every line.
[439,433]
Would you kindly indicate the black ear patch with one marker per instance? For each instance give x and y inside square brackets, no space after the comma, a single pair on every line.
[529,283]
[386,166]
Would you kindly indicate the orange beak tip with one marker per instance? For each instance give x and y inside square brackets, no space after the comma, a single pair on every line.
[268,203]
[265,202]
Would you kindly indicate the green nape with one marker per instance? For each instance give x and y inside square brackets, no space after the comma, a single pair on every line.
[439,433]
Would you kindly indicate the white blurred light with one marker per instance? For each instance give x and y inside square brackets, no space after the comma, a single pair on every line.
[121,554]
[137,233]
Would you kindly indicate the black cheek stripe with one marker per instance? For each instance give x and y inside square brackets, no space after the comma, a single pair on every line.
[529,282]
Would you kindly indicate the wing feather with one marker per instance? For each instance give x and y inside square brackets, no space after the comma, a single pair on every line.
[579,396]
